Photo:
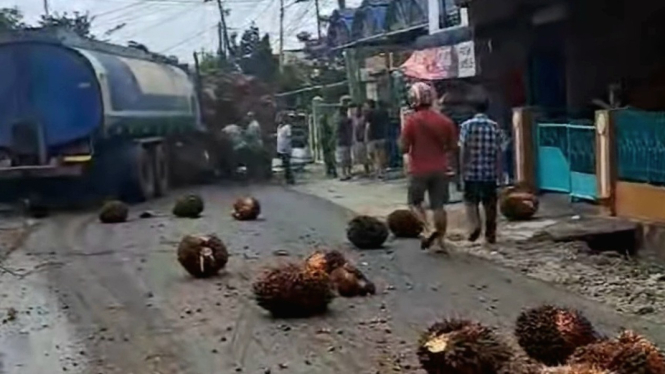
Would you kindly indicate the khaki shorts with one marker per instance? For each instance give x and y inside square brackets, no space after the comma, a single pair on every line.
[360,154]
[344,156]
[375,146]
[435,184]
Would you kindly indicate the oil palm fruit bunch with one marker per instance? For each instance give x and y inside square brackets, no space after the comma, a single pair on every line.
[325,260]
[630,353]
[114,211]
[404,224]
[190,206]
[574,369]
[367,232]
[293,290]
[202,255]
[246,209]
[461,347]
[349,281]
[550,334]
[518,202]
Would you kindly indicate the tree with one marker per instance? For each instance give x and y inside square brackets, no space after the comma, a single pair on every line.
[11,19]
[254,55]
[79,23]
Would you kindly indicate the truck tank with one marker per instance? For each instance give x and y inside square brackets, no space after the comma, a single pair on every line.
[76,109]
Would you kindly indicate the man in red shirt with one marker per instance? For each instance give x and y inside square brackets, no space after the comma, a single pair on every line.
[429,139]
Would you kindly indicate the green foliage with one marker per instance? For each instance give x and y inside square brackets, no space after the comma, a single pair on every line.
[254,55]
[79,23]
[11,19]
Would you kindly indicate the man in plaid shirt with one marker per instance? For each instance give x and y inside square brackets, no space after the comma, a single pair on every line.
[481,141]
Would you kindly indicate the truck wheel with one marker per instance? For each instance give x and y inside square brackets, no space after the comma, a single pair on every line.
[161,168]
[142,177]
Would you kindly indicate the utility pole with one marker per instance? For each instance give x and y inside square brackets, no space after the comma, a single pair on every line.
[222,18]
[220,41]
[281,35]
[46,8]
[318,19]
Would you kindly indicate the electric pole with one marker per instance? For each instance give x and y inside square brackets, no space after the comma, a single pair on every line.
[220,40]
[46,8]
[224,34]
[281,35]
[318,19]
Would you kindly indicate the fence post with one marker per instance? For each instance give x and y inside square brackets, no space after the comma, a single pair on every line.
[606,160]
[315,129]
[525,147]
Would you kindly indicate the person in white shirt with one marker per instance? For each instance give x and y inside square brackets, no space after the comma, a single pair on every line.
[284,148]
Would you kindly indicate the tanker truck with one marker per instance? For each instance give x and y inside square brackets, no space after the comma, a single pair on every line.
[82,119]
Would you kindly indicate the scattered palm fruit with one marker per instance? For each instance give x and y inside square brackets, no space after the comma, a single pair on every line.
[461,347]
[349,281]
[325,260]
[114,212]
[367,232]
[404,224]
[518,202]
[630,353]
[293,290]
[246,209]
[550,334]
[190,206]
[202,256]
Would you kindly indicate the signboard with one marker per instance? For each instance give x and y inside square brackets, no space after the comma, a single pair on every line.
[466,59]
[458,61]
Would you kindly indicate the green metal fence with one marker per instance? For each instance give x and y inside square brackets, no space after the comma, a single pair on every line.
[640,138]
[322,128]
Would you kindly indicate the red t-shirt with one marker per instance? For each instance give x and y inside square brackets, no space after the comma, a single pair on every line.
[428,136]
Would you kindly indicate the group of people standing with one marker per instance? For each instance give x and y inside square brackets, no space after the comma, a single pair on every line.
[433,143]
[361,139]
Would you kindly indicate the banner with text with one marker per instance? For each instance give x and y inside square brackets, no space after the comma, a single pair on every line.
[458,61]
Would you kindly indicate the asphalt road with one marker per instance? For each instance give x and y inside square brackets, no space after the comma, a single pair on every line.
[93,298]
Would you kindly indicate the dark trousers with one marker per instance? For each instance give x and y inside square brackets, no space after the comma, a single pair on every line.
[286,165]
[484,193]
[329,161]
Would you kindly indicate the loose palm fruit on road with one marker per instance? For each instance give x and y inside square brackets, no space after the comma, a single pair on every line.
[114,212]
[326,261]
[550,334]
[190,206]
[246,209]
[349,281]
[367,232]
[404,224]
[293,290]
[202,255]
[461,347]
[630,353]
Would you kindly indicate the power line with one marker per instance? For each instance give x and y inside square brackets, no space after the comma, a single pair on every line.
[189,38]
[132,5]
[172,17]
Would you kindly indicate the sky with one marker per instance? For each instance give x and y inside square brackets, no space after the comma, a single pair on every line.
[180,27]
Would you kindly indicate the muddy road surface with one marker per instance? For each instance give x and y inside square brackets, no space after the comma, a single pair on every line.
[82,297]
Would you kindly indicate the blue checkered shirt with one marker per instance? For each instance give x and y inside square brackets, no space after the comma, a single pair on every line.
[482,141]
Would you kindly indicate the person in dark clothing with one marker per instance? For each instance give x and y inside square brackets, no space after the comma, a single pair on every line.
[327,140]
[377,120]
[344,142]
[481,141]
[359,141]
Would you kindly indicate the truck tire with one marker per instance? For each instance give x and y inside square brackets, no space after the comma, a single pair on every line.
[141,183]
[161,167]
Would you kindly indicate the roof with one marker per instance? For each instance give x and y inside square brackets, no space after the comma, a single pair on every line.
[370,19]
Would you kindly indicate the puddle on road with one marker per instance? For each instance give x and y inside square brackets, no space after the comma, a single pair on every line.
[39,339]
